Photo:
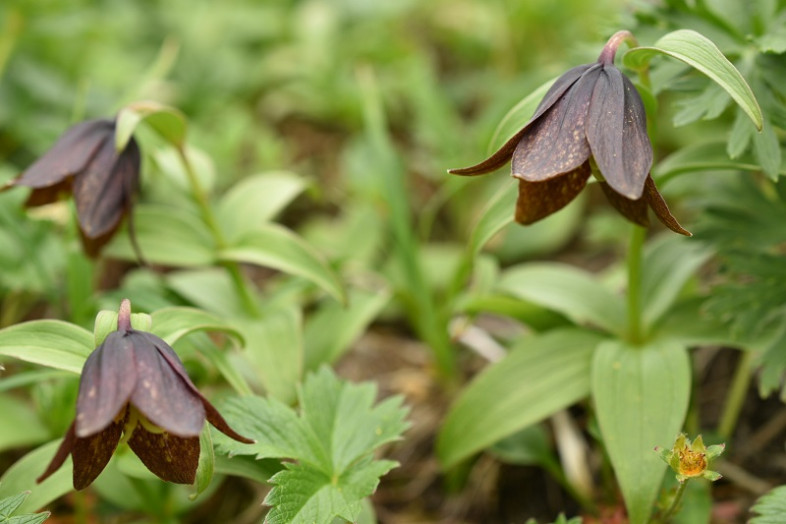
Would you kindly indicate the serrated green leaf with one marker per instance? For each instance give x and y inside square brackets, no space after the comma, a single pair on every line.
[770,507]
[332,441]
[556,370]
[700,53]
[641,396]
[742,131]
[166,236]
[173,323]
[255,200]
[708,156]
[305,496]
[22,474]
[767,150]
[708,105]
[167,122]
[275,246]
[669,261]
[567,290]
[36,518]
[332,329]
[9,504]
[50,343]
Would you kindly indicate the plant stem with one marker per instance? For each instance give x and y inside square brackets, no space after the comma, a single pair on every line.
[635,331]
[675,503]
[200,197]
[736,396]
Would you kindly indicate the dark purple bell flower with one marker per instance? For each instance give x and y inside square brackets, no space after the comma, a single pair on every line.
[134,386]
[85,161]
[591,121]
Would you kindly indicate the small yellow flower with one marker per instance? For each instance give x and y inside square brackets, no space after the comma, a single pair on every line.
[691,459]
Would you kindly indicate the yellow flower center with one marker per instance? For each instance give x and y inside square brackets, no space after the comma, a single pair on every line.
[692,463]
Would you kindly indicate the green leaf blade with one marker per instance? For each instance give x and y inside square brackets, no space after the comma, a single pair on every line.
[641,396]
[567,290]
[702,54]
[50,343]
[556,369]
[274,246]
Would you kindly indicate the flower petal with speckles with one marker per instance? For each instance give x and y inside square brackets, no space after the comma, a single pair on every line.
[172,458]
[538,200]
[160,394]
[556,143]
[108,379]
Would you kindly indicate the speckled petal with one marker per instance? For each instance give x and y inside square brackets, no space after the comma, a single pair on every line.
[633,210]
[212,414]
[70,154]
[619,153]
[172,458]
[503,155]
[556,143]
[160,393]
[91,454]
[103,191]
[108,379]
[658,205]
[538,200]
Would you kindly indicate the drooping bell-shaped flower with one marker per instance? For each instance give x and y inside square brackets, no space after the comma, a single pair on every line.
[591,121]
[103,180]
[134,386]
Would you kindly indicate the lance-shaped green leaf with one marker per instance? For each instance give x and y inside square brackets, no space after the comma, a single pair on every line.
[496,215]
[277,247]
[570,291]
[555,370]
[255,200]
[167,122]
[51,343]
[641,396]
[332,439]
[166,236]
[173,323]
[700,53]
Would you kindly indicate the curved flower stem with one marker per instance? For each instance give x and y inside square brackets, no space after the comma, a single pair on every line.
[635,331]
[675,503]
[736,396]
[201,199]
